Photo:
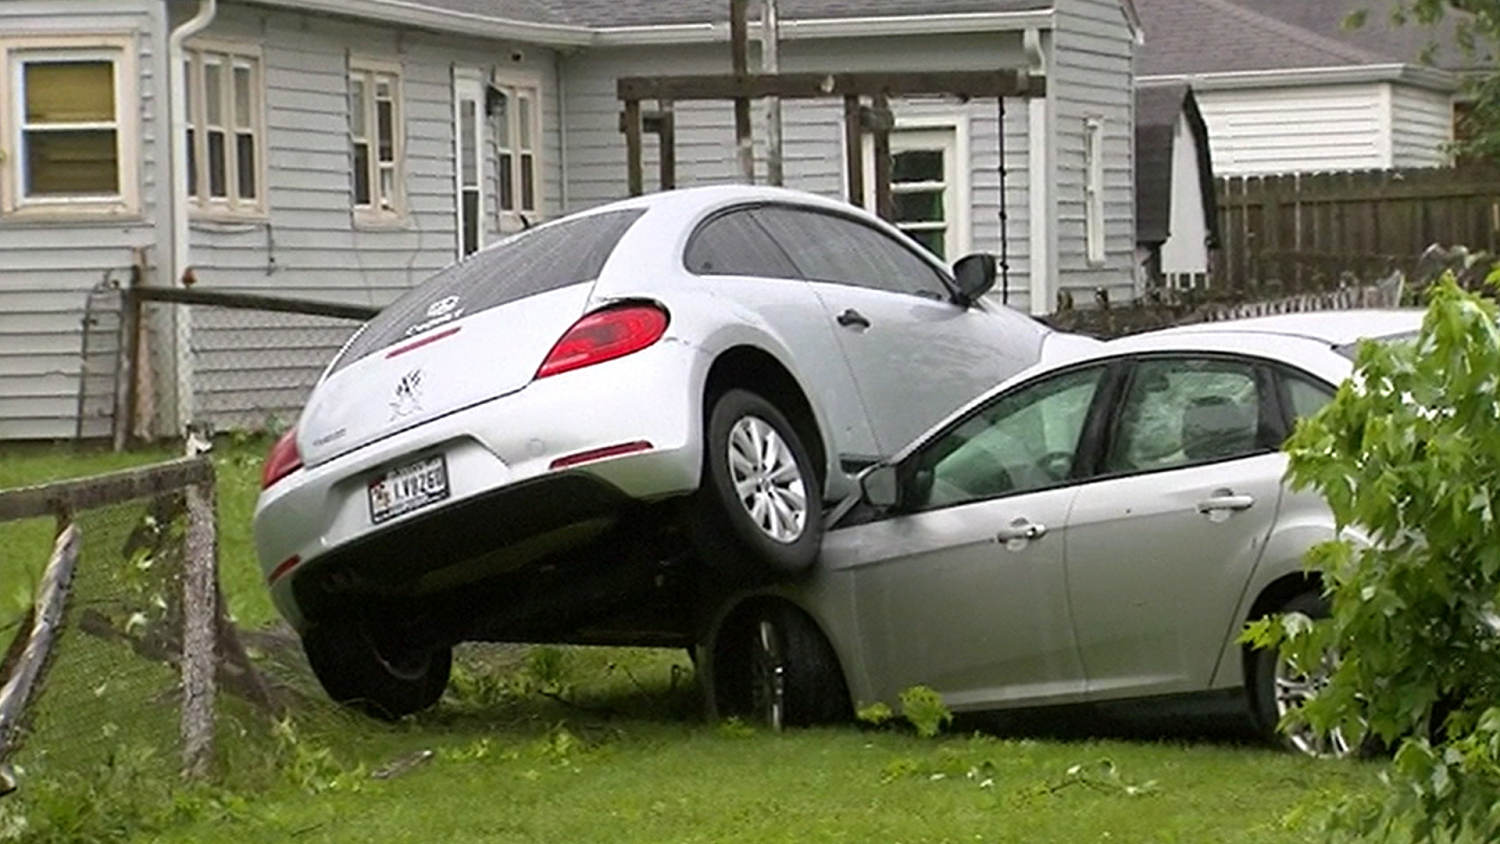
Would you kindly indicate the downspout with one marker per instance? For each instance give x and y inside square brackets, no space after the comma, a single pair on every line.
[562,132]
[177,82]
[1039,183]
[176,134]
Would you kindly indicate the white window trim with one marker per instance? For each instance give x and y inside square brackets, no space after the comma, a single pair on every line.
[515,82]
[1093,190]
[963,223]
[463,77]
[373,215]
[231,208]
[116,47]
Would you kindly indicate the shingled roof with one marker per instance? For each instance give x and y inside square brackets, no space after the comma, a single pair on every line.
[1216,36]
[1158,108]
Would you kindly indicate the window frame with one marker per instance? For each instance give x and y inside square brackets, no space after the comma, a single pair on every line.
[957,123]
[1270,412]
[381,211]
[518,85]
[944,275]
[231,206]
[120,49]
[1093,191]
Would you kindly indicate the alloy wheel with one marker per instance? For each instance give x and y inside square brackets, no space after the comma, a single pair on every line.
[767,676]
[1293,689]
[767,482]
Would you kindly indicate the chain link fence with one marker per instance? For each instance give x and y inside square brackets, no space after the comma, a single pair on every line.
[125,643]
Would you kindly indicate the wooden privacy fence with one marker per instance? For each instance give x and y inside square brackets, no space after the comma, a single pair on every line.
[1312,231]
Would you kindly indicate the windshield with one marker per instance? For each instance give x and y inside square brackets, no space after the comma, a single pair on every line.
[1348,349]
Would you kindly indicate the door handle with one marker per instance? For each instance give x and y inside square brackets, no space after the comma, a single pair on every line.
[851,318]
[1223,501]
[1020,531]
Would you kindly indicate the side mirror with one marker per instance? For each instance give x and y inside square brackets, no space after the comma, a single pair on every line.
[975,275]
[881,487]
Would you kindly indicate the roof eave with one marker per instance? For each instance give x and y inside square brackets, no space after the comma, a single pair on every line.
[439,20]
[1422,77]
[811,28]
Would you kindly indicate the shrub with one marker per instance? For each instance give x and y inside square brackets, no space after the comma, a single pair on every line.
[1408,457]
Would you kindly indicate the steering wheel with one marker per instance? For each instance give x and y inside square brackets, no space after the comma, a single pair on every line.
[1056,464]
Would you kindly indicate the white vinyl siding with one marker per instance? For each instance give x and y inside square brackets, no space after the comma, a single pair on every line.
[1185,252]
[1294,129]
[1091,59]
[49,261]
[1421,126]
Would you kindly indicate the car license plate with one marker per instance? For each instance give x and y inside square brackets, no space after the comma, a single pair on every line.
[406,488]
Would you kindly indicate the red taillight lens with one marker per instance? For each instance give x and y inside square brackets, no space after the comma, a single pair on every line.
[282,461]
[605,335]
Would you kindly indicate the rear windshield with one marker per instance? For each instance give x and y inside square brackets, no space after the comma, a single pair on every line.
[532,262]
[1348,349]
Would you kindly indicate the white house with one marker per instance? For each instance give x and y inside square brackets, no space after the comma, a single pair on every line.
[1176,210]
[1285,87]
[346,149]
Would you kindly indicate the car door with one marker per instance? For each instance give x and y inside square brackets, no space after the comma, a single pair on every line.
[739,262]
[915,354]
[964,589]
[1163,542]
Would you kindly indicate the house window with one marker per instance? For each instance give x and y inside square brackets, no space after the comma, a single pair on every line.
[517,123]
[1093,188]
[226,130]
[929,199]
[376,145]
[72,131]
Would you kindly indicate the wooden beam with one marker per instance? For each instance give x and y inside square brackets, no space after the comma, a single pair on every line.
[739,45]
[51,598]
[248,301]
[964,83]
[667,136]
[633,178]
[854,155]
[882,153]
[101,490]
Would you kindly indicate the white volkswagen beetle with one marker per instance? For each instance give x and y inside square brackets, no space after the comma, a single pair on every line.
[508,450]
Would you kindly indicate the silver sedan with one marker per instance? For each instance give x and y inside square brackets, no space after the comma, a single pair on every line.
[686,375]
[1095,529]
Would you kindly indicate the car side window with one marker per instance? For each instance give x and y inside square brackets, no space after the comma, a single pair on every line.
[1305,396]
[1023,441]
[1183,411]
[827,247]
[735,244]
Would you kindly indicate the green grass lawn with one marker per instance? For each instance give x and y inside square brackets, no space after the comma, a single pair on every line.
[596,744]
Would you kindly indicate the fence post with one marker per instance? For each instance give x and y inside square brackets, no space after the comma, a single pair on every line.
[127,359]
[200,611]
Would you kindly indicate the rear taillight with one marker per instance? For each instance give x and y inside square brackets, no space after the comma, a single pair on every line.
[605,335]
[282,461]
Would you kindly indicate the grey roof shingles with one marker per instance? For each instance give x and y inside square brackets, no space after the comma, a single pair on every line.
[1158,108]
[612,13]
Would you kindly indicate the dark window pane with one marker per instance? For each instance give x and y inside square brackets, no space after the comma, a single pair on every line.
[831,248]
[923,207]
[1179,412]
[507,183]
[932,239]
[535,261]
[245,159]
[471,221]
[386,126]
[192,164]
[528,182]
[82,162]
[216,173]
[923,165]
[361,174]
[734,244]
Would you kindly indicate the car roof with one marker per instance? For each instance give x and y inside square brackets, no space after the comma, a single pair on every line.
[713,196]
[1335,328]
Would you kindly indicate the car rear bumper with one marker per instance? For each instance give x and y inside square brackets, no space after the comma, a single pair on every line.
[503,490]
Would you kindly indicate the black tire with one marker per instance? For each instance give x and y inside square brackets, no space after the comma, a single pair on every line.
[1263,677]
[384,681]
[811,689]
[724,532]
